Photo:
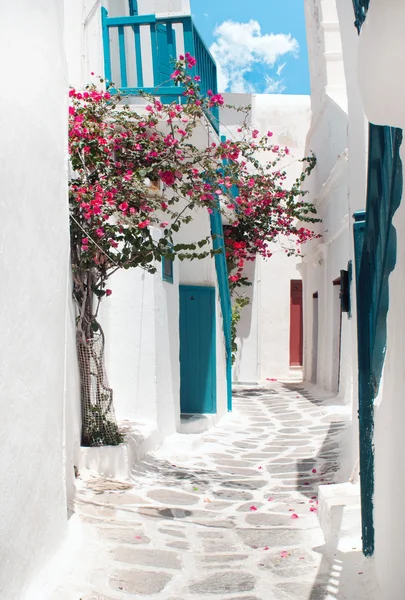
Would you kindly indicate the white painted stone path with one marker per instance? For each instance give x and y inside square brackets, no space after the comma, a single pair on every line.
[235,521]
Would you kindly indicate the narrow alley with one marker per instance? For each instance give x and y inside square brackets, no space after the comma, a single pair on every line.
[237,521]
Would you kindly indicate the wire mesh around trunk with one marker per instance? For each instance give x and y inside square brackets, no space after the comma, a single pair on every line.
[99,424]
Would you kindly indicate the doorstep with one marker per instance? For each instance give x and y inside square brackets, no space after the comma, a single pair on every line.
[196,423]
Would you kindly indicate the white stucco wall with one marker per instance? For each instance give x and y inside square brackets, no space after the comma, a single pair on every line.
[382,81]
[141,324]
[38,378]
[338,137]
[264,329]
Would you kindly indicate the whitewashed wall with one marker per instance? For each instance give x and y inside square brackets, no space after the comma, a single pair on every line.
[38,374]
[140,321]
[382,81]
[264,329]
[338,137]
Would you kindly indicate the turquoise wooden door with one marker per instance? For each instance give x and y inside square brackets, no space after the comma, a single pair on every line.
[198,381]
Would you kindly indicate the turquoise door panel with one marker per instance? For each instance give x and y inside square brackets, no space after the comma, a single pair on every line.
[198,381]
[163,39]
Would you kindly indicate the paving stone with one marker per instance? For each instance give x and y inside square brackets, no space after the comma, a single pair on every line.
[298,590]
[224,582]
[247,507]
[278,537]
[163,559]
[172,497]
[173,532]
[233,463]
[298,561]
[96,596]
[178,545]
[99,512]
[215,547]
[237,495]
[127,535]
[139,582]
[217,505]
[223,558]
[119,499]
[209,522]
[244,598]
[247,445]
[269,520]
[248,484]
[211,535]
[238,471]
[167,513]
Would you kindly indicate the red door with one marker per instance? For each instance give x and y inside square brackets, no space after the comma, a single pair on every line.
[296,323]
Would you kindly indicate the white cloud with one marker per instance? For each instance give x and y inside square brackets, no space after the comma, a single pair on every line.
[273,86]
[280,68]
[240,47]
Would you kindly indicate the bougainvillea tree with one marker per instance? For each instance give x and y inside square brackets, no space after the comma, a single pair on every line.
[136,179]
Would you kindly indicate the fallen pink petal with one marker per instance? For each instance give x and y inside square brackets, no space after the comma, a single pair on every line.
[313,470]
[294,516]
[284,554]
[253,508]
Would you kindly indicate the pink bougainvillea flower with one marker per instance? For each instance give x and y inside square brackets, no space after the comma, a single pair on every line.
[108,292]
[253,508]
[313,470]
[269,134]
[164,224]
[168,177]
[294,516]
[270,499]
[266,548]
[313,509]
[284,554]
[144,224]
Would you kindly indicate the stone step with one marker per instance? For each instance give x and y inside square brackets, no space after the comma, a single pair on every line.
[339,513]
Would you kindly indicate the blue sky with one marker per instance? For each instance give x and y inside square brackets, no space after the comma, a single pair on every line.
[260,45]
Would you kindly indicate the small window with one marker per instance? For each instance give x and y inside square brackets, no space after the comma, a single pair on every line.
[167,269]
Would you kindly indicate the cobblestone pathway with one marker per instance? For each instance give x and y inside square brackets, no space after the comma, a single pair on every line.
[235,521]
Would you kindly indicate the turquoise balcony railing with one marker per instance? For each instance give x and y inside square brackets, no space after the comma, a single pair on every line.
[139,54]
[360,11]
